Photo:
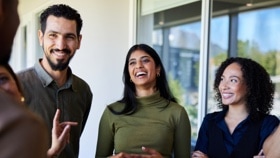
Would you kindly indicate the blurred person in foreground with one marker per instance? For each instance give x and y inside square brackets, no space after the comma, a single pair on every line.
[22,134]
[60,132]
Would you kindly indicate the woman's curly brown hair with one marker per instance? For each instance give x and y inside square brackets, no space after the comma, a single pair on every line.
[259,85]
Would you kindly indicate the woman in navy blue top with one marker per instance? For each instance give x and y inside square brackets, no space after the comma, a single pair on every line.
[244,92]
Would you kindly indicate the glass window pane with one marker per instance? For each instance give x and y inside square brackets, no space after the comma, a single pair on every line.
[183,67]
[258,38]
[177,40]
[182,64]
[219,39]
[236,30]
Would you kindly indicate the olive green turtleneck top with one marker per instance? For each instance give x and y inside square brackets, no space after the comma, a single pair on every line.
[165,129]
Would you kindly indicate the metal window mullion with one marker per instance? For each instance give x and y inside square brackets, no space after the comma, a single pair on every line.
[233,26]
[206,11]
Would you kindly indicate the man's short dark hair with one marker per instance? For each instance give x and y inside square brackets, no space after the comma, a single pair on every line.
[61,10]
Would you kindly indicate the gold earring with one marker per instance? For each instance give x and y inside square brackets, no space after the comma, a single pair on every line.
[22,99]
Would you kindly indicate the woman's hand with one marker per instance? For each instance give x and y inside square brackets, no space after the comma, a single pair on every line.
[120,155]
[260,155]
[199,154]
[60,135]
[151,153]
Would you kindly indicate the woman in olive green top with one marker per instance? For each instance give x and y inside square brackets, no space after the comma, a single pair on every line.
[147,121]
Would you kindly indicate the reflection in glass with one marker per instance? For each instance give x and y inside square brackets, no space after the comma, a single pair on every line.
[183,61]
[236,30]
[258,38]
[219,39]
[182,64]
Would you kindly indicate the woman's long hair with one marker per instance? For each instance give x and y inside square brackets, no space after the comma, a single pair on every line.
[129,97]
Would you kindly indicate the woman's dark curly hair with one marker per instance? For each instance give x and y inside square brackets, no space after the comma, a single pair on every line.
[260,89]
[129,97]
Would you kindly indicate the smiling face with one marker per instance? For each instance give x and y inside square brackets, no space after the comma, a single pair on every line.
[142,70]
[8,84]
[60,42]
[232,86]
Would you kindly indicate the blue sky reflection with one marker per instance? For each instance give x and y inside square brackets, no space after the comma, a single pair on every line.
[261,26]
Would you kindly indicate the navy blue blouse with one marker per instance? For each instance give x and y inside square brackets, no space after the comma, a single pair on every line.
[231,140]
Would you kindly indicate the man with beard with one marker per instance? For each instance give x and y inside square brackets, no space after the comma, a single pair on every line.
[50,84]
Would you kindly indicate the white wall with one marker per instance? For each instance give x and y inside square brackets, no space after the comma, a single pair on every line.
[108,32]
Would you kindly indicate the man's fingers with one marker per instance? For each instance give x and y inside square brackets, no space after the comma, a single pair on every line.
[68,123]
[65,132]
[63,124]
[56,116]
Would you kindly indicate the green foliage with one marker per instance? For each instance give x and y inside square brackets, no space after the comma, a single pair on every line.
[243,48]
[179,92]
[196,67]
[267,59]
[176,89]
[219,58]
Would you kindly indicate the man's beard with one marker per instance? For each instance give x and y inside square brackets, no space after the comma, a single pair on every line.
[60,65]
